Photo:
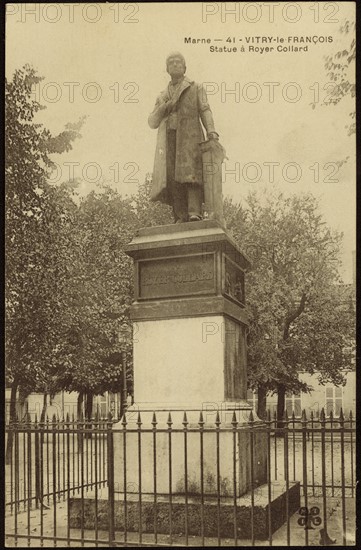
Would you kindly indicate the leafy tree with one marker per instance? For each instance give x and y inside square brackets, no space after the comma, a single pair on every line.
[290,293]
[99,294]
[34,216]
[341,70]
[101,289]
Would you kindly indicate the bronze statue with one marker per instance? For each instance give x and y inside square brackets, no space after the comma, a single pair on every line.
[187,169]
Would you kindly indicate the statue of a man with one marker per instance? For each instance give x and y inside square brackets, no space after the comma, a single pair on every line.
[178,171]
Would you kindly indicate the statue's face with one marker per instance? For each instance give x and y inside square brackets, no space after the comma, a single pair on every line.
[175,66]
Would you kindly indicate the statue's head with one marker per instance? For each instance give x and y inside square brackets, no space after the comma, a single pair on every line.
[176,64]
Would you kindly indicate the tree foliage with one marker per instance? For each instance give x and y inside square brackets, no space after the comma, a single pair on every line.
[34,239]
[340,69]
[291,292]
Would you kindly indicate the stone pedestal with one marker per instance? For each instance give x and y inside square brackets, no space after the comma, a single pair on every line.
[140,516]
[189,315]
[189,322]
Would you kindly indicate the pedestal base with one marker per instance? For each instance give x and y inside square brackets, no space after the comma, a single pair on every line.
[166,457]
[214,516]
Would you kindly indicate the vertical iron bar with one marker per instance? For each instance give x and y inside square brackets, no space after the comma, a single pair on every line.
[87,432]
[58,457]
[79,454]
[24,464]
[111,488]
[80,431]
[86,436]
[68,477]
[276,433]
[11,436]
[99,446]
[351,447]
[96,432]
[54,456]
[323,466]
[73,448]
[47,462]
[104,458]
[185,425]
[234,426]
[169,422]
[251,428]
[312,456]
[285,433]
[155,509]
[16,468]
[64,447]
[91,453]
[218,423]
[269,481]
[124,424]
[342,433]
[201,428]
[29,446]
[294,445]
[139,424]
[332,469]
[304,464]
[41,482]
[37,463]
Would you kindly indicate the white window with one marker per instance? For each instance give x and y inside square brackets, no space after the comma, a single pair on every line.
[333,400]
[293,404]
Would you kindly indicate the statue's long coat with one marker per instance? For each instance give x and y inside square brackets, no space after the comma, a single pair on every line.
[192,108]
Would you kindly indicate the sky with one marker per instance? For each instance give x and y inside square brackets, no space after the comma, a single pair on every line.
[107,62]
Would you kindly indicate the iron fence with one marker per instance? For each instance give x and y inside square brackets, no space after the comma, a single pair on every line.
[153,481]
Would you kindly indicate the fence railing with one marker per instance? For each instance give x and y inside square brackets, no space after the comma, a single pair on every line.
[157,480]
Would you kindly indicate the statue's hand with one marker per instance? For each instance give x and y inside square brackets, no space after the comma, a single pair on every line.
[170,105]
[213,135]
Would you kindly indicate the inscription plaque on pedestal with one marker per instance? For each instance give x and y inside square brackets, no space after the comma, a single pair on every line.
[176,276]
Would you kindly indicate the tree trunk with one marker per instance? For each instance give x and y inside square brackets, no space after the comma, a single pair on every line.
[88,412]
[45,404]
[89,406]
[12,418]
[80,417]
[281,400]
[79,407]
[262,402]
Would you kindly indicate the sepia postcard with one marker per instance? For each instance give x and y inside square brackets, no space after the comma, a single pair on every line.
[180,278]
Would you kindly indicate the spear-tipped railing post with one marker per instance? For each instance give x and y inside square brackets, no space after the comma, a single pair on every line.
[343,495]
[351,448]
[269,515]
[251,433]
[170,478]
[155,508]
[185,430]
[286,470]
[201,443]
[304,463]
[111,482]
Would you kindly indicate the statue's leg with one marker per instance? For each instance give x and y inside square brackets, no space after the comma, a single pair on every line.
[177,192]
[194,201]
[180,209]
